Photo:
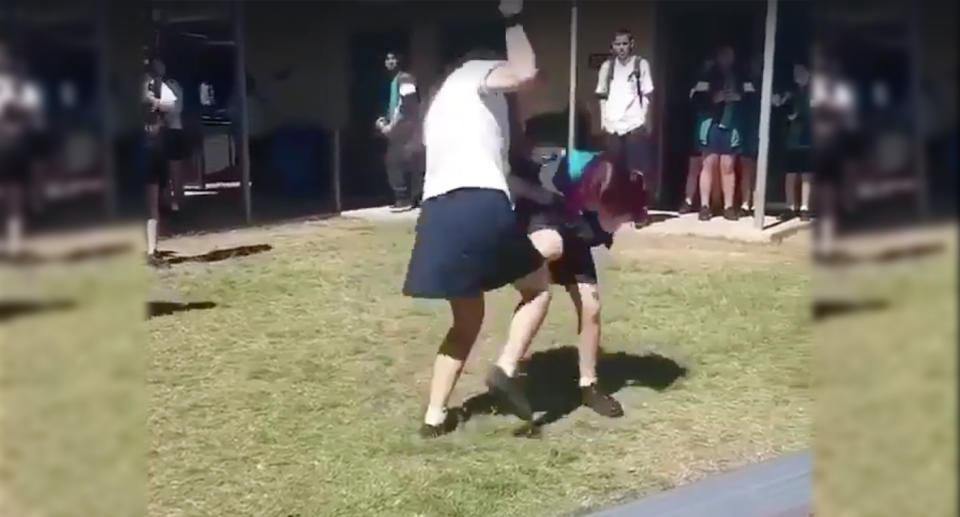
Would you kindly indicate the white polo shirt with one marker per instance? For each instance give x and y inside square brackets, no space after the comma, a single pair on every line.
[625,110]
[171,101]
[466,134]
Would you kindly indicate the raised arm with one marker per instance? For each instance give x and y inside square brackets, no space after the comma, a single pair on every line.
[520,69]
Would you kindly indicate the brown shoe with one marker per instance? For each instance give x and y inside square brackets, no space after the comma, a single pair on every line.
[601,403]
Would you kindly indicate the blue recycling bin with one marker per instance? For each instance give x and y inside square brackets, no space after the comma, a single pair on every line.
[298,158]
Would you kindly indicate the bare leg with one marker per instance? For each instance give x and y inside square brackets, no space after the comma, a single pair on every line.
[748,172]
[153,216]
[586,302]
[14,219]
[694,164]
[456,346]
[806,187]
[790,184]
[176,183]
[527,318]
[728,178]
[706,178]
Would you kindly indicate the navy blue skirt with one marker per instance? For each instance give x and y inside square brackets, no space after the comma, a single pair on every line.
[468,242]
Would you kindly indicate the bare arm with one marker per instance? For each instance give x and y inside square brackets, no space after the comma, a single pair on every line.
[521,66]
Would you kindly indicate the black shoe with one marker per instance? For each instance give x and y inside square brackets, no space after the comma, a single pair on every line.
[601,403]
[156,261]
[685,208]
[731,214]
[510,392]
[787,215]
[453,420]
[746,212]
[805,215]
[704,213]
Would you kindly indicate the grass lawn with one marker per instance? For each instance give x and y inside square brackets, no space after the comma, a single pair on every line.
[300,393]
[298,383]
[886,390]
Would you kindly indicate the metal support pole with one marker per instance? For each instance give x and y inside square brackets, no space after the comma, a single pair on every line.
[108,172]
[766,92]
[240,86]
[336,171]
[572,105]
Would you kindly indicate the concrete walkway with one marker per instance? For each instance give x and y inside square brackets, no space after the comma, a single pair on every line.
[777,488]
[743,229]
[665,223]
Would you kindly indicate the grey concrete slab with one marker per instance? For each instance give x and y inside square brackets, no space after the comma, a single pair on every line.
[781,487]
[743,230]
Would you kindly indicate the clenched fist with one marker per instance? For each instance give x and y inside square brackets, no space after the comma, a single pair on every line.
[510,7]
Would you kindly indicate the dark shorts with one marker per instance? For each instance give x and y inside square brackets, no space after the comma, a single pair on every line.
[14,163]
[576,265]
[176,145]
[170,145]
[798,160]
[717,140]
[468,242]
[631,151]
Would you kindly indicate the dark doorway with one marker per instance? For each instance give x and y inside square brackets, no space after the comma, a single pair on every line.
[366,185]
[689,33]
[458,39]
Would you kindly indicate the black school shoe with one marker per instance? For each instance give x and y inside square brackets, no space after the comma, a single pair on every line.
[805,215]
[787,215]
[685,208]
[705,214]
[731,214]
[509,392]
[450,423]
[601,403]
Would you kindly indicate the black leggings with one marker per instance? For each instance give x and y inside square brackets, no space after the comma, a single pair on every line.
[404,171]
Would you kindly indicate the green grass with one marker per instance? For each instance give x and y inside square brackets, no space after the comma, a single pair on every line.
[301,392]
[886,391]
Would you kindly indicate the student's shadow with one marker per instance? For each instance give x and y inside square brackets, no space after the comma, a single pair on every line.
[552,381]
[216,255]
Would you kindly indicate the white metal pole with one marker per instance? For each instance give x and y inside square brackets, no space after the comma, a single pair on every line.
[240,85]
[572,120]
[766,92]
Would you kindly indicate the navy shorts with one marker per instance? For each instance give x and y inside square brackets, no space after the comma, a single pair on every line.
[468,242]
[576,265]
[719,140]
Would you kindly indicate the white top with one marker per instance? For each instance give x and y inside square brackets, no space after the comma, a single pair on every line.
[466,134]
[624,109]
[171,101]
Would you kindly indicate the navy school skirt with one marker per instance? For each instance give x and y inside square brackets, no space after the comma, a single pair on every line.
[468,242]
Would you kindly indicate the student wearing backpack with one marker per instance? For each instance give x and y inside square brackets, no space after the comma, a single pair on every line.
[624,88]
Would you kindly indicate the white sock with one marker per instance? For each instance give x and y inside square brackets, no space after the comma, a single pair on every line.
[509,369]
[151,236]
[587,381]
[435,416]
[803,208]
[744,206]
[14,235]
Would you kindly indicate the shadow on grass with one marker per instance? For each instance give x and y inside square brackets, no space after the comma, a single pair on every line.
[155,309]
[552,383]
[823,309]
[12,309]
[215,255]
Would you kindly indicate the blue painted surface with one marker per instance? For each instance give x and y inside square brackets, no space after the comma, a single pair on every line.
[777,488]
